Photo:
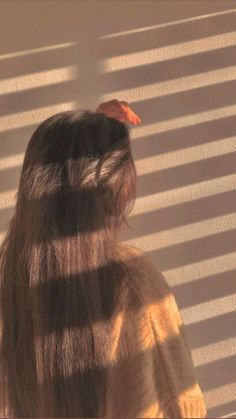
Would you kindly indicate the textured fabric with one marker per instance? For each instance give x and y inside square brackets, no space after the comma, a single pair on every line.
[153,374]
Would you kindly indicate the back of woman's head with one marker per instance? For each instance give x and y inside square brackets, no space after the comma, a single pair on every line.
[60,279]
[79,165]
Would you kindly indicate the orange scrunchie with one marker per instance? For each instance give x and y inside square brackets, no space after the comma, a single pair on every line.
[119,110]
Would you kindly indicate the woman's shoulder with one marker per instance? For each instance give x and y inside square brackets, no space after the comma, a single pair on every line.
[173,360]
[148,277]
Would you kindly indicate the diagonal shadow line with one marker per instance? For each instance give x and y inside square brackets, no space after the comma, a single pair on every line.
[194,292]
[192,101]
[169,36]
[168,70]
[211,203]
[11,178]
[182,214]
[189,252]
[161,180]
[30,99]
[208,374]
[217,373]
[5,216]
[206,332]
[168,257]
[223,283]
[123,366]
[15,140]
[186,174]
[169,217]
[164,348]
[223,409]
[179,138]
[61,292]
[175,139]
[199,334]
[43,61]
[199,28]
[185,252]
[175,255]
[124,370]
[180,104]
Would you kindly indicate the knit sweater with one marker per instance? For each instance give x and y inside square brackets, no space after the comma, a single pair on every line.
[153,374]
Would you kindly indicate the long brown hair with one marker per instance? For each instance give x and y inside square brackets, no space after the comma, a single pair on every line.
[60,274]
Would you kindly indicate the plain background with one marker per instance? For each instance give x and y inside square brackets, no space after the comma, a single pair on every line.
[175,63]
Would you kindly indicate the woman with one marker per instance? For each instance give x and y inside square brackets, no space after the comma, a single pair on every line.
[89,327]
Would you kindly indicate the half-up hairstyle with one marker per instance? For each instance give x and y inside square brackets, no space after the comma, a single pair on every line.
[61,278]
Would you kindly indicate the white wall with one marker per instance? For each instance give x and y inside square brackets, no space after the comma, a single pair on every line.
[174,62]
